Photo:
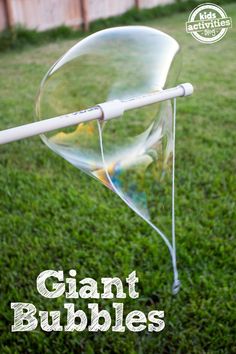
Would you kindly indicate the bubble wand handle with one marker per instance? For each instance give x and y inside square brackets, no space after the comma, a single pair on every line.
[107,110]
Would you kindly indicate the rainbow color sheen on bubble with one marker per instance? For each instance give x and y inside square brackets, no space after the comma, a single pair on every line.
[131,155]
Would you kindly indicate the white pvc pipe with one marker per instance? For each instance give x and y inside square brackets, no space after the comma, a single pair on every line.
[47,125]
[107,110]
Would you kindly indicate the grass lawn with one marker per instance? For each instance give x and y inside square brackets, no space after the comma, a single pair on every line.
[53,216]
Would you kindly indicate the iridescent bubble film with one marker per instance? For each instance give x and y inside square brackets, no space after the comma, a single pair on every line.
[131,155]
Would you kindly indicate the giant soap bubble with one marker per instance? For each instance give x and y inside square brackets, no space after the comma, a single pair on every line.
[132,155]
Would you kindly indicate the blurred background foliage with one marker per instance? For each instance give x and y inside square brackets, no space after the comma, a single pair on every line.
[52,216]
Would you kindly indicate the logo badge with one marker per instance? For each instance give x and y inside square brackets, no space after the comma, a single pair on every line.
[208,23]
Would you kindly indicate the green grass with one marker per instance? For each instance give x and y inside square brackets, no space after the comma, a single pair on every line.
[54,217]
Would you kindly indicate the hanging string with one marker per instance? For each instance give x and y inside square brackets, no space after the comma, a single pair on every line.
[176,284]
[171,246]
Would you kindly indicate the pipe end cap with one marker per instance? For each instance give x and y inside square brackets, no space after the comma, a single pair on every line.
[188,89]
